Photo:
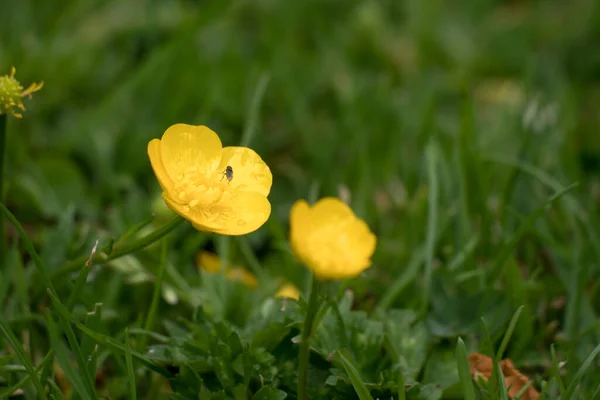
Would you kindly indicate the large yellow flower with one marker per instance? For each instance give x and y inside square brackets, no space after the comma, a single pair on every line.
[330,239]
[222,190]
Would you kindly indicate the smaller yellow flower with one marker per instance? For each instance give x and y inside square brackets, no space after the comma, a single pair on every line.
[211,263]
[330,239]
[288,291]
[11,93]
[219,189]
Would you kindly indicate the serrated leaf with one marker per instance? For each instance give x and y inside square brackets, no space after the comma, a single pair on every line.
[441,369]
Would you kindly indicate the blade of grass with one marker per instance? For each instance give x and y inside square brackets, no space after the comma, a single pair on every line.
[401,390]
[81,279]
[407,277]
[488,347]
[88,347]
[50,288]
[29,247]
[44,368]
[355,378]
[556,369]
[464,162]
[509,332]
[523,390]
[133,230]
[341,325]
[501,382]
[23,357]
[129,361]
[120,251]
[40,368]
[552,183]
[567,394]
[62,354]
[526,226]
[107,341]
[460,258]
[253,110]
[431,156]
[87,380]
[3,124]
[464,371]
[251,259]
[157,291]
[56,391]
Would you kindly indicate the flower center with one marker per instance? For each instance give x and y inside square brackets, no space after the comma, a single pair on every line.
[197,189]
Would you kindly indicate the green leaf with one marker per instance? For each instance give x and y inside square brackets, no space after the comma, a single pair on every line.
[56,244]
[64,359]
[424,392]
[268,393]
[441,369]
[431,155]
[130,373]
[464,371]
[509,332]
[567,395]
[16,345]
[526,226]
[88,348]
[408,343]
[352,371]
[107,341]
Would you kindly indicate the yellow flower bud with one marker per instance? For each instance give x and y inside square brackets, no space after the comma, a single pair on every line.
[288,291]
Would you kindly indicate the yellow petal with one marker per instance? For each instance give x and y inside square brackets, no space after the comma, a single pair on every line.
[299,218]
[238,213]
[288,290]
[365,239]
[329,208]
[242,275]
[209,262]
[157,165]
[188,149]
[250,173]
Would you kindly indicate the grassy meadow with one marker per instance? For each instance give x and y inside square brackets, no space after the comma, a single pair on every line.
[466,134]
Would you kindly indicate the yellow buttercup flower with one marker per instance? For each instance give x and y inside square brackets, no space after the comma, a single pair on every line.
[329,239]
[11,93]
[211,263]
[288,291]
[221,190]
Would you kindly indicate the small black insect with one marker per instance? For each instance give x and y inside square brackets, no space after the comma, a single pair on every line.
[228,173]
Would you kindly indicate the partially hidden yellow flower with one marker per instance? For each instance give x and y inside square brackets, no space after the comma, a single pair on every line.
[11,93]
[219,189]
[211,263]
[288,291]
[330,239]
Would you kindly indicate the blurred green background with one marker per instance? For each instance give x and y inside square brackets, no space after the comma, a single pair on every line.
[339,98]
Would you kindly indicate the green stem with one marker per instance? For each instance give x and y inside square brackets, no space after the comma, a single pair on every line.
[306,334]
[120,251]
[3,121]
[156,294]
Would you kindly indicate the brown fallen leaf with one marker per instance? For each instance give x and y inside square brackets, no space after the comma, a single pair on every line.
[481,365]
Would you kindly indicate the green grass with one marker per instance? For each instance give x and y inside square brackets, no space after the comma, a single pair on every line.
[484,197]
